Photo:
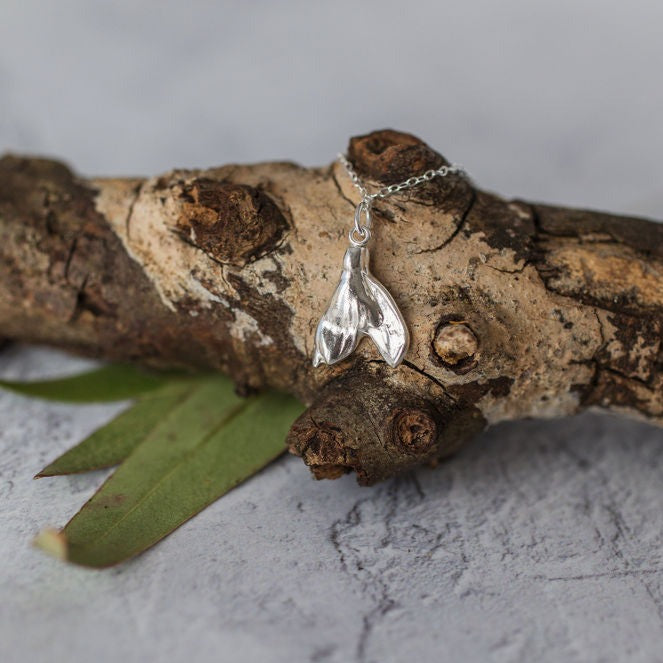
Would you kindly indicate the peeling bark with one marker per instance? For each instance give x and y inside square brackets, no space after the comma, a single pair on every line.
[515,309]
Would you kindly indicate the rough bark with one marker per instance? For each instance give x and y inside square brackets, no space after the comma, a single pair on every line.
[515,309]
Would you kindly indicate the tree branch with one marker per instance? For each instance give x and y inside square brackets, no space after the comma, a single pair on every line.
[515,309]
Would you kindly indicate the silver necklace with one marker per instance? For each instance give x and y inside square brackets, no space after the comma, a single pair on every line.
[361,305]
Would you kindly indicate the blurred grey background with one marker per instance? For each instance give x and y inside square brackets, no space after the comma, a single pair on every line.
[542,541]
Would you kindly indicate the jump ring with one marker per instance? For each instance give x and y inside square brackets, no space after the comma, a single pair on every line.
[364,235]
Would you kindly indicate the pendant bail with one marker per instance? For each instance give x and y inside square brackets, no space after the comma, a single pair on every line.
[361,233]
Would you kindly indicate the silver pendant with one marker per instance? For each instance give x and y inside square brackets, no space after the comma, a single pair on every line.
[361,306]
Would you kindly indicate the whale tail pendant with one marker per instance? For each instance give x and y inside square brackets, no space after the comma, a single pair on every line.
[361,306]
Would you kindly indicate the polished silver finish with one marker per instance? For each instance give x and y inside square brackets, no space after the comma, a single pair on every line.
[361,306]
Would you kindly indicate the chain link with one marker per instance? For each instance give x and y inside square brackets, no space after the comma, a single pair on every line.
[361,233]
[368,198]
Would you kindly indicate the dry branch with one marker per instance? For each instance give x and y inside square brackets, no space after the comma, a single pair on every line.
[515,309]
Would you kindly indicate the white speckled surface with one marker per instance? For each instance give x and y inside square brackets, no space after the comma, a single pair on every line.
[540,542]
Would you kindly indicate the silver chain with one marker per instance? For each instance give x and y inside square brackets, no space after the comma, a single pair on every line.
[363,231]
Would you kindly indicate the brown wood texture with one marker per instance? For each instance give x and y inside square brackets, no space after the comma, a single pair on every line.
[515,309]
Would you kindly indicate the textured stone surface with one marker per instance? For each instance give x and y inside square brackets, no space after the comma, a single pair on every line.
[541,541]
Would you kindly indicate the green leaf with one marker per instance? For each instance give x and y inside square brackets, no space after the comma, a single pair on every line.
[112,443]
[208,443]
[116,382]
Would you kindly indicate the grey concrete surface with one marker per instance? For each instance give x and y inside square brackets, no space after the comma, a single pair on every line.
[542,541]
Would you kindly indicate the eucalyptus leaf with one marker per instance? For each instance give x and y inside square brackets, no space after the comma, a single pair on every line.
[208,443]
[112,443]
[116,382]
